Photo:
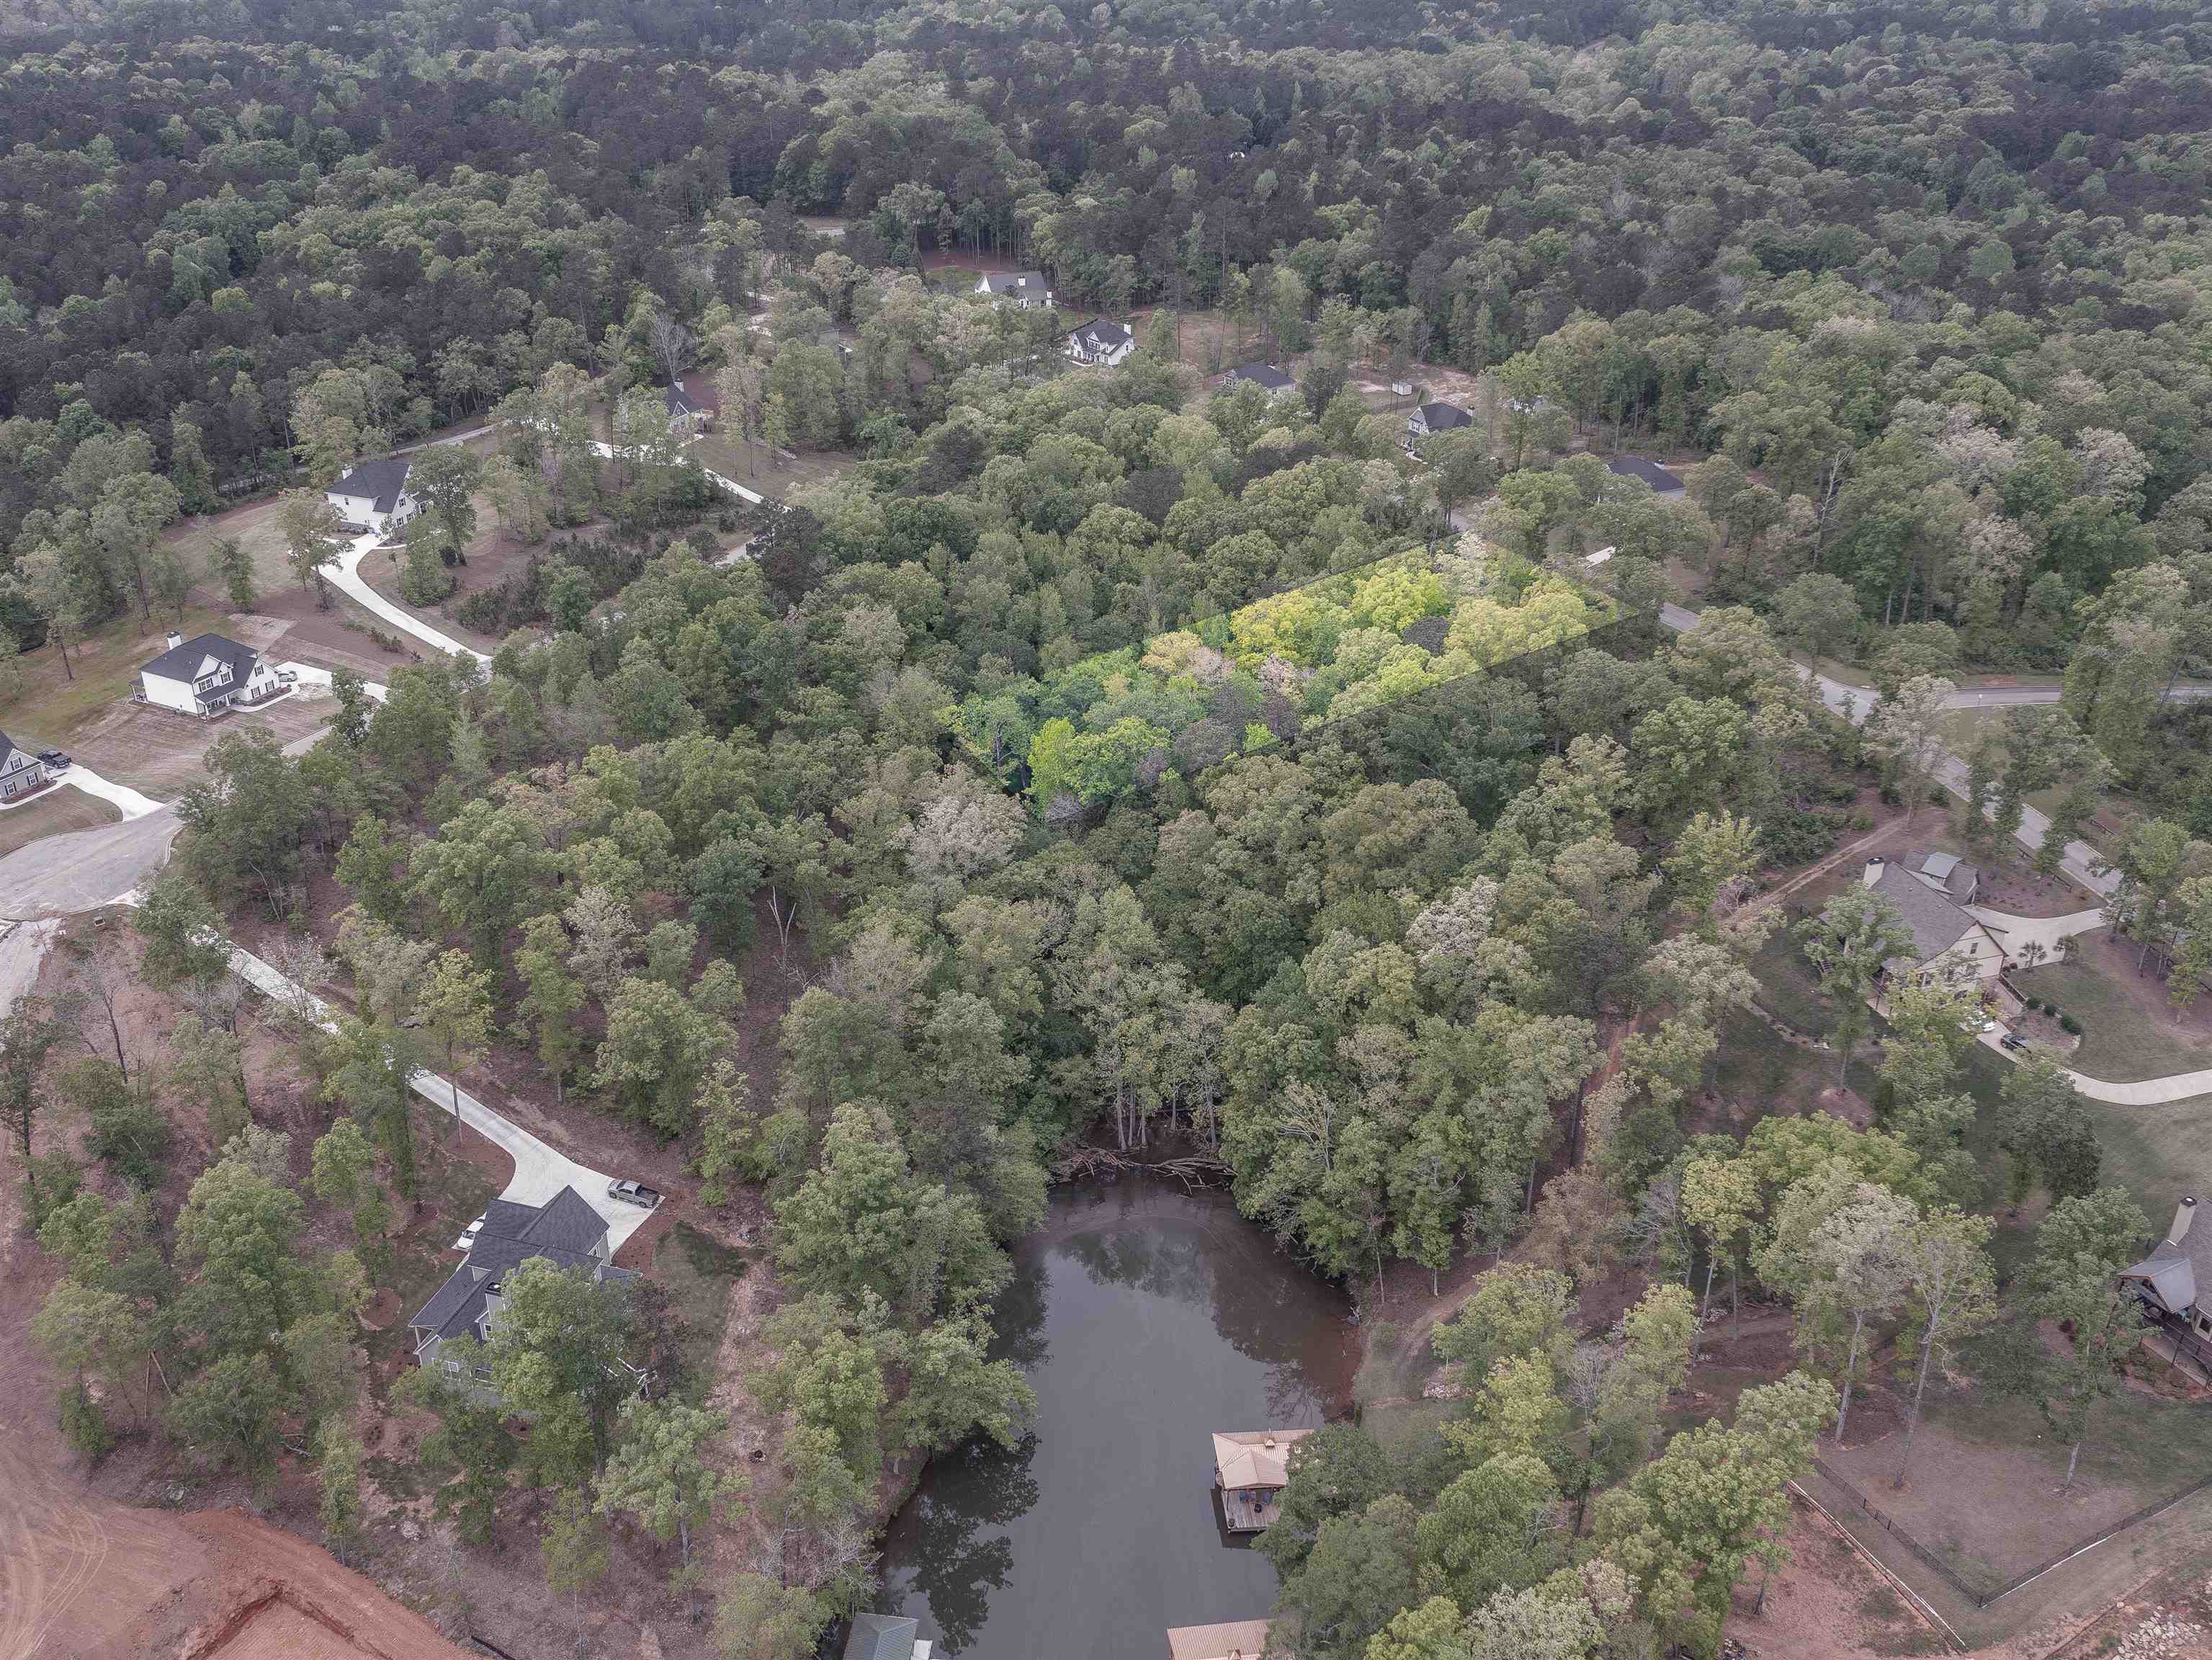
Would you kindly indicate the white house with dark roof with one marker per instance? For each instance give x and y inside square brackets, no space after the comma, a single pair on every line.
[1266,376]
[1426,419]
[565,1230]
[22,773]
[208,675]
[1026,290]
[373,495]
[1100,343]
[1946,938]
[691,404]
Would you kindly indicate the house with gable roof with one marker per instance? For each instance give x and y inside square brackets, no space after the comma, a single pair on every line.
[565,1230]
[209,675]
[373,495]
[1946,938]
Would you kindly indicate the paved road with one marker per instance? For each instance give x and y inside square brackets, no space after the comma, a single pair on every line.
[540,1171]
[2082,865]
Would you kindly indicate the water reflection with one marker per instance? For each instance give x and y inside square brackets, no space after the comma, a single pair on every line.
[1146,1318]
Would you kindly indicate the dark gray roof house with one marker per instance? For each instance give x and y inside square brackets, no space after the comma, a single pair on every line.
[2175,1281]
[1662,482]
[1445,417]
[885,1637]
[189,659]
[1027,287]
[565,1230]
[1100,340]
[380,481]
[1266,376]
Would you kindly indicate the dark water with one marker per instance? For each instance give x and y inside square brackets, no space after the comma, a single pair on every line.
[1146,1318]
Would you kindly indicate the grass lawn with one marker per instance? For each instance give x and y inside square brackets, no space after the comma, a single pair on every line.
[58,810]
[698,1271]
[2121,1040]
[1787,986]
[255,528]
[759,471]
[53,706]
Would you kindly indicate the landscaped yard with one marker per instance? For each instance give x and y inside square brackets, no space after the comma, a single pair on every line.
[58,810]
[105,666]
[2126,1032]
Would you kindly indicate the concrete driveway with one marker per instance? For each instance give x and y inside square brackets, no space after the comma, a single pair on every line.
[344,574]
[2014,931]
[539,1171]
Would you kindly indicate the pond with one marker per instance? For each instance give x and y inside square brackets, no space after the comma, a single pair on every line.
[1145,1319]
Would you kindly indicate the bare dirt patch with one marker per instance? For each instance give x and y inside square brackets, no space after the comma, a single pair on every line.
[160,752]
[1825,1603]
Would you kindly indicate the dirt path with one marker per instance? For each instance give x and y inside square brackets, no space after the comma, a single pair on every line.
[83,1576]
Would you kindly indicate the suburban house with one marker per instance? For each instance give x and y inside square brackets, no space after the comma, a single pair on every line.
[22,773]
[691,404]
[565,1230]
[1266,376]
[2175,1282]
[1250,1467]
[1945,937]
[1026,288]
[1427,418]
[208,675]
[1949,875]
[1237,1639]
[1662,482]
[373,495]
[1100,342]
[885,1637]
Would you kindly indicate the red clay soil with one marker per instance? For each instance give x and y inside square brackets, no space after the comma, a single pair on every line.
[83,1576]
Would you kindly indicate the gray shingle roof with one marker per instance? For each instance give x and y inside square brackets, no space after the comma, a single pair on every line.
[1637,466]
[881,1637]
[382,480]
[1102,335]
[1262,375]
[1445,417]
[183,662]
[1935,923]
[562,1231]
[2179,1275]
[1021,284]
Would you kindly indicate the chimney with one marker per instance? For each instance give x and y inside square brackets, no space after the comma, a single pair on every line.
[1874,866]
[175,641]
[1268,1441]
[2183,1214]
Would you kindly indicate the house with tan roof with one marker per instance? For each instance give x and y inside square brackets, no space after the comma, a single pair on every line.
[1235,1639]
[1250,1467]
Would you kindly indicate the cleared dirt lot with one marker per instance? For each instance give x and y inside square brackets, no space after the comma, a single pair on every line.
[158,751]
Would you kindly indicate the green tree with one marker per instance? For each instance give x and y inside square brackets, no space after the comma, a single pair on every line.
[550,998]
[230,564]
[1950,1290]
[574,1548]
[2103,1321]
[1818,614]
[558,1355]
[339,1476]
[1856,934]
[313,534]
[471,1444]
[659,1472]
[658,1050]
[455,1002]
[1359,1577]
[480,873]
[207,1072]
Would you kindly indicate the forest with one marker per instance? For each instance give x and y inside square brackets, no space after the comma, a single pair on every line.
[1065,769]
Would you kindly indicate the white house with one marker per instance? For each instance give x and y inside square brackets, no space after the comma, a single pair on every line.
[1026,288]
[1266,376]
[1100,343]
[22,773]
[1435,417]
[692,404]
[207,676]
[373,495]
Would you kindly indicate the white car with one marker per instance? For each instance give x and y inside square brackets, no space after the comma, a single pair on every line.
[469,1235]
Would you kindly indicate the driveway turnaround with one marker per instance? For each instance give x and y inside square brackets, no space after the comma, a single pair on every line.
[344,573]
[539,1171]
[2014,931]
